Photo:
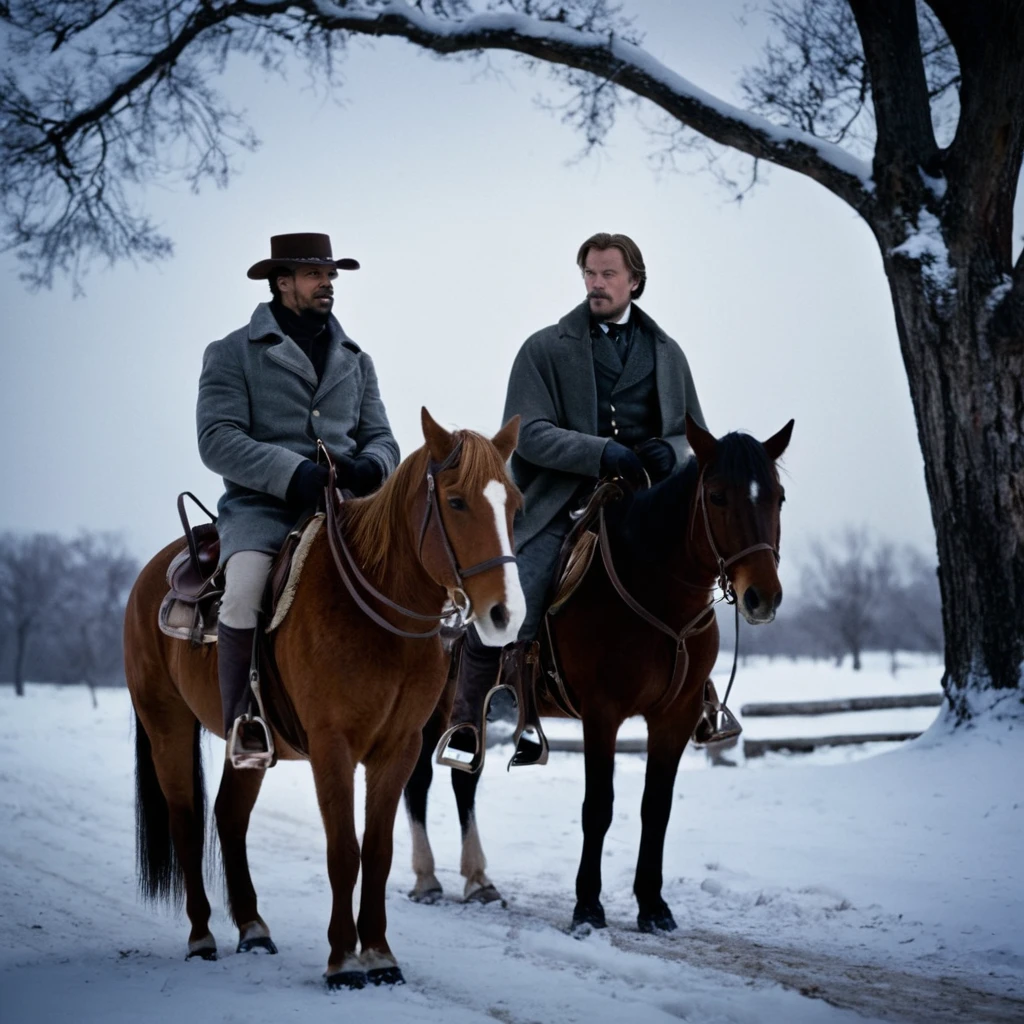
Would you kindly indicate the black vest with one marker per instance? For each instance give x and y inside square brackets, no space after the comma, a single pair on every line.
[627,396]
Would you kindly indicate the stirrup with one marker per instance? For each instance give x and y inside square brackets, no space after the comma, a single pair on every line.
[716,724]
[464,759]
[242,757]
[531,748]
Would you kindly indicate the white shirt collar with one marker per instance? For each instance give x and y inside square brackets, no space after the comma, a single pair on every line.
[624,319]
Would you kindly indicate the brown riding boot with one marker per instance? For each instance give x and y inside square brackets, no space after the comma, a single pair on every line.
[463,743]
[520,664]
[248,743]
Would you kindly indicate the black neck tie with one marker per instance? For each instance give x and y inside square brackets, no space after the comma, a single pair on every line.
[619,334]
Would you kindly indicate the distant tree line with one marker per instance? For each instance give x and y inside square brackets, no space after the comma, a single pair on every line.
[858,592]
[62,608]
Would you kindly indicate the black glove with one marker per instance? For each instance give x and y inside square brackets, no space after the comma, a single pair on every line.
[658,457]
[618,460]
[361,475]
[306,486]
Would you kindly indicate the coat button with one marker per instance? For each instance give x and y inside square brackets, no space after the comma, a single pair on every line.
[613,408]
[616,432]
[316,412]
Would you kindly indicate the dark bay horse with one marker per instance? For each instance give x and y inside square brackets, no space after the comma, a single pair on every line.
[361,692]
[641,639]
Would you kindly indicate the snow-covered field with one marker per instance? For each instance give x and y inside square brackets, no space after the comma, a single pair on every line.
[831,887]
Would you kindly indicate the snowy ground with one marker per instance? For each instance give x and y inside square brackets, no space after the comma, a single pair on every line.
[887,887]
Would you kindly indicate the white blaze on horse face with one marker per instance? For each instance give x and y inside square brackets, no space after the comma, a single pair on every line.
[755,490]
[497,494]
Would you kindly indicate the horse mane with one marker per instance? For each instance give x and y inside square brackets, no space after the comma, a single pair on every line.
[376,524]
[651,518]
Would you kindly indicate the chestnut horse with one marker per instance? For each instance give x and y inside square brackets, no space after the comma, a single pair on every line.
[640,639]
[361,692]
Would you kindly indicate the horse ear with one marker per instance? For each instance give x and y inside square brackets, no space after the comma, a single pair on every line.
[506,439]
[703,443]
[439,441]
[778,443]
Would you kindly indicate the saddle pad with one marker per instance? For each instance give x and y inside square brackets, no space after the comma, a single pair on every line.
[575,569]
[284,602]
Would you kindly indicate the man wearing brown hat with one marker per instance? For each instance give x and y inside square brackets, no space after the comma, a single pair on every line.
[268,393]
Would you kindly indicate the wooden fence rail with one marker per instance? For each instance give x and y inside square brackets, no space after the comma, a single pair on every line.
[831,707]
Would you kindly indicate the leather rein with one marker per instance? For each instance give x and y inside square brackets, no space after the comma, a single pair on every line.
[703,619]
[351,574]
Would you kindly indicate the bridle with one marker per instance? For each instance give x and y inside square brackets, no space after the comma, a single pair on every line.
[703,619]
[459,605]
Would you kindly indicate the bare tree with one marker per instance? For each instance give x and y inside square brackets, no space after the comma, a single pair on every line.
[845,591]
[911,113]
[101,573]
[33,575]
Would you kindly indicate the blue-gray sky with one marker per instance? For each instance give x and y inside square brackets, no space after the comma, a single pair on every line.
[456,193]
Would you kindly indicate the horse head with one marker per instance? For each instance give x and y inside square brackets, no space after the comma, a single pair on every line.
[476,500]
[736,514]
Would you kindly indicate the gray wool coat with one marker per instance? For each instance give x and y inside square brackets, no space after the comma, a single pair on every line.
[552,387]
[261,411]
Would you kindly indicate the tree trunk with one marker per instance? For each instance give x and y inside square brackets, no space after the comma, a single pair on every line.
[19,659]
[967,390]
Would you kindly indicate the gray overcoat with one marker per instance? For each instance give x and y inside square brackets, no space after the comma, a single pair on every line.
[260,413]
[552,387]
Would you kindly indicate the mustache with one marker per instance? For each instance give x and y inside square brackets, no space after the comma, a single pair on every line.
[323,295]
[598,294]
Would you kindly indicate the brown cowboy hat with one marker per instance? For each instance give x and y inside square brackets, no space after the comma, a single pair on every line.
[299,250]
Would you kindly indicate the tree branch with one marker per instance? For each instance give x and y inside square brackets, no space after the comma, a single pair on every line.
[899,92]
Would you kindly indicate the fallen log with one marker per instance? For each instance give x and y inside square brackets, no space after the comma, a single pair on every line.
[575,746]
[830,707]
[806,744]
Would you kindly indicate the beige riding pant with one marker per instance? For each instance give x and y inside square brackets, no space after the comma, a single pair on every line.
[245,577]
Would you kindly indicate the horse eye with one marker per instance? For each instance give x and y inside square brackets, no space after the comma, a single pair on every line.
[457,503]
[716,497]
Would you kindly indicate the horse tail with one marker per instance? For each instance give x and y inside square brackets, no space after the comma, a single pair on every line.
[160,875]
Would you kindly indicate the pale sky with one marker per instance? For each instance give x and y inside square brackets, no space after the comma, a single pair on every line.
[456,193]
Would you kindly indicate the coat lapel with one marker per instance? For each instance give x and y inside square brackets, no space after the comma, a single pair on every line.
[282,350]
[342,359]
[639,361]
[580,397]
[605,352]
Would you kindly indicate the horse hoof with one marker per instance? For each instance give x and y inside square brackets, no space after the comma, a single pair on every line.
[205,949]
[261,942]
[346,979]
[586,918]
[660,920]
[385,976]
[485,894]
[427,896]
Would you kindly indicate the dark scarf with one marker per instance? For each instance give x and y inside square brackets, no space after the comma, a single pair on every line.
[308,330]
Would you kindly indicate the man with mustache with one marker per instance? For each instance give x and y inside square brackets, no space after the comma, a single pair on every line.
[602,393]
[268,393]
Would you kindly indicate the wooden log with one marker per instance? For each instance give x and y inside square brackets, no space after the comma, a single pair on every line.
[830,707]
[805,744]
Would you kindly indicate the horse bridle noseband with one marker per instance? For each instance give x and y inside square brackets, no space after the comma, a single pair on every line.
[461,604]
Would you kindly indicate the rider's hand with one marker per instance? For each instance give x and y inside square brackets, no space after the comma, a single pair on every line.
[618,460]
[658,457]
[306,486]
[361,475]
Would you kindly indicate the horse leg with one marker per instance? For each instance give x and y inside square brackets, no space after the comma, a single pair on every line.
[599,760]
[427,888]
[238,791]
[170,803]
[334,777]
[664,748]
[479,888]
[387,771]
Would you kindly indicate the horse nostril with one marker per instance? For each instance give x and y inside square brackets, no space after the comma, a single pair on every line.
[777,601]
[751,599]
[499,616]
